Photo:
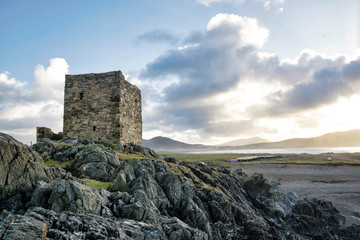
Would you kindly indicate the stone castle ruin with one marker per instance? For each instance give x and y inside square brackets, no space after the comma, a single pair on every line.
[101,107]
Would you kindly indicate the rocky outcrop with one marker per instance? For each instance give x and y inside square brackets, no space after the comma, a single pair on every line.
[150,199]
[96,162]
[315,218]
[17,227]
[265,196]
[88,160]
[73,196]
[20,170]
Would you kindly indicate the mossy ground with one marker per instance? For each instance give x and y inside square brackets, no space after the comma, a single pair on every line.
[96,184]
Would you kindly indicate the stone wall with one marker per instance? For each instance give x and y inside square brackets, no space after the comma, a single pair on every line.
[44,132]
[98,107]
[130,114]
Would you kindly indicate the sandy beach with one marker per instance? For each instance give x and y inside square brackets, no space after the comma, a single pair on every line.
[338,184]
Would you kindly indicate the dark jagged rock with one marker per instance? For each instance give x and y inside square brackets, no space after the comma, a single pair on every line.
[134,148]
[96,162]
[18,227]
[56,150]
[148,199]
[315,217]
[73,196]
[20,170]
[265,196]
[89,160]
[41,194]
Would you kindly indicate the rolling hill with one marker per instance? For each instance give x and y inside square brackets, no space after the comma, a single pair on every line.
[337,139]
[241,142]
[165,144]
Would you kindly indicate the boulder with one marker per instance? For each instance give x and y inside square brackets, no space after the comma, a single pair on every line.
[138,149]
[41,194]
[21,168]
[18,227]
[267,198]
[315,217]
[70,225]
[96,162]
[73,196]
[176,229]
[143,209]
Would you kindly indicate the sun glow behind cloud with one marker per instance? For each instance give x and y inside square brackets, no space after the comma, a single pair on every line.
[213,85]
[237,90]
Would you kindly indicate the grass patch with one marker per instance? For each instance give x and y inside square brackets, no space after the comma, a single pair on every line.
[223,159]
[208,188]
[64,144]
[96,184]
[52,163]
[177,169]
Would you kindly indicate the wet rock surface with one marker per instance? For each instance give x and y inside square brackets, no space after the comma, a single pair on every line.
[149,199]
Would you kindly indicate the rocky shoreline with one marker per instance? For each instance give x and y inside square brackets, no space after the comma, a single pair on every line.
[338,184]
[146,198]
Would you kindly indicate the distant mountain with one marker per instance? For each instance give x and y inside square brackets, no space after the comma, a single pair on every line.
[336,139]
[241,142]
[168,144]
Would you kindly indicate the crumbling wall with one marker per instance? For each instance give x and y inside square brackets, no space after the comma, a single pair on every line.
[44,132]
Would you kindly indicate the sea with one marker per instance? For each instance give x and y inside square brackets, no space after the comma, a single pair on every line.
[285,150]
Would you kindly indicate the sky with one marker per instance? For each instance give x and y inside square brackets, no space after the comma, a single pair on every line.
[210,71]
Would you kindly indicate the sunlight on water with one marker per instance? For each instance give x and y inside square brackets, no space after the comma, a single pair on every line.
[289,150]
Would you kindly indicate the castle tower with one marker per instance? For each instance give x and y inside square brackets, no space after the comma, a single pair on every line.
[102,107]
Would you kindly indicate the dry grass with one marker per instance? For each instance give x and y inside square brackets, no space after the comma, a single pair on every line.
[64,144]
[177,169]
[52,163]
[96,184]
[129,156]
[223,159]
[208,188]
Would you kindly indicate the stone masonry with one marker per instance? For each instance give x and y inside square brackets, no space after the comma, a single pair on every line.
[102,107]
[44,132]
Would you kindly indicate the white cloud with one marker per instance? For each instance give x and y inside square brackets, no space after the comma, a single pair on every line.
[209,2]
[274,4]
[10,88]
[6,80]
[226,86]
[49,82]
[23,107]
[236,30]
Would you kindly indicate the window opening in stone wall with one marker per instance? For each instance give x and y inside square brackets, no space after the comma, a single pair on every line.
[81,96]
[94,128]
